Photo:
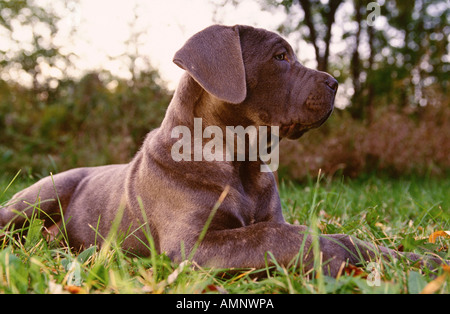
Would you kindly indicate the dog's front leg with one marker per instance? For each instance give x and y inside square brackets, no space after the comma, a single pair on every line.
[246,247]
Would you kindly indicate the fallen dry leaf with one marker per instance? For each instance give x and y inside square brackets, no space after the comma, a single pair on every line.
[214,288]
[173,276]
[436,234]
[355,271]
[434,285]
[73,289]
[446,269]
[437,283]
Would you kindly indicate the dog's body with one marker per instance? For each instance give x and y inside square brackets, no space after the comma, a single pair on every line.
[234,76]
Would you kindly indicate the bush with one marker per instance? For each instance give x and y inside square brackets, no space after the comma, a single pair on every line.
[80,123]
[395,143]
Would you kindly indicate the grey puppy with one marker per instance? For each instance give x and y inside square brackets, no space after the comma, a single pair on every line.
[235,76]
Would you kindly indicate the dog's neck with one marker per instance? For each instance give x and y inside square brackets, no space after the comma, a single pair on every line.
[191,102]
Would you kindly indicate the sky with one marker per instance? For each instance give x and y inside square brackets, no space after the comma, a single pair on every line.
[103,27]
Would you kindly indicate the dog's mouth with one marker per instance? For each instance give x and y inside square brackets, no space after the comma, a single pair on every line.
[296,130]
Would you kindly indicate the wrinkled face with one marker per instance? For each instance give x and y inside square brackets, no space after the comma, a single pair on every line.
[253,78]
[280,91]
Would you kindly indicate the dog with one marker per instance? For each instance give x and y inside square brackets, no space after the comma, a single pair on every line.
[222,213]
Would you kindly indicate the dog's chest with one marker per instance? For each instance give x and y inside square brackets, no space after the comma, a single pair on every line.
[259,200]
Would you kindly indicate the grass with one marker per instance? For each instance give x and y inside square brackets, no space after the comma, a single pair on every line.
[390,212]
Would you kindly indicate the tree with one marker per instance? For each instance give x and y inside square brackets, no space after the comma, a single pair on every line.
[404,59]
[317,24]
[320,32]
[57,122]
[30,52]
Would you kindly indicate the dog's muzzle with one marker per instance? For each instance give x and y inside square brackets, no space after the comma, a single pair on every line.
[296,130]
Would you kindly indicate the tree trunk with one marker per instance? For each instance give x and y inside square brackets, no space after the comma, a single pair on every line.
[328,19]
[357,103]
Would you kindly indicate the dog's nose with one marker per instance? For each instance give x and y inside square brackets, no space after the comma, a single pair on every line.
[332,83]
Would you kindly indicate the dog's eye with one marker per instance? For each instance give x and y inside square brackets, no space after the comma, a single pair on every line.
[281,57]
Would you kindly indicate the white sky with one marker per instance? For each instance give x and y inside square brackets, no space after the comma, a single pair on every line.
[104,27]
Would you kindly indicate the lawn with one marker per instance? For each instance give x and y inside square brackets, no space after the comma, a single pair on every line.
[397,213]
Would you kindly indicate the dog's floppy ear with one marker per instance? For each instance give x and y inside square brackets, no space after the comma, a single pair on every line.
[213,58]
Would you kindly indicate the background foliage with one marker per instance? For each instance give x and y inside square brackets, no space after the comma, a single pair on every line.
[394,76]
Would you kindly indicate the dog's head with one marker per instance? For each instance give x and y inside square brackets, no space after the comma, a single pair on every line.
[256,73]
